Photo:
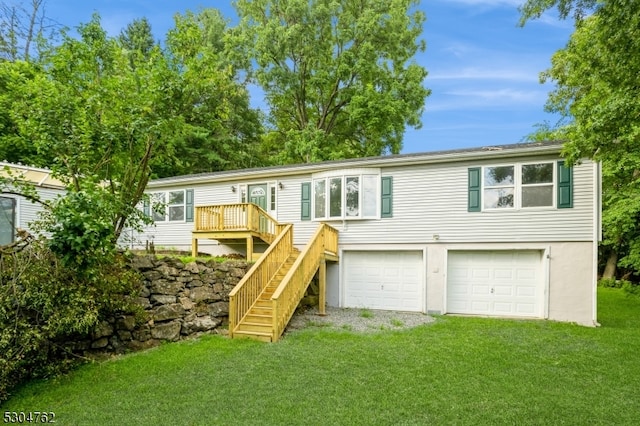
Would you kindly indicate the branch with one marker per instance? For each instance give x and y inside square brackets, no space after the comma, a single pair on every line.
[31,198]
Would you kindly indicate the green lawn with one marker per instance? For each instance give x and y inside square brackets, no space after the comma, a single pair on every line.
[453,371]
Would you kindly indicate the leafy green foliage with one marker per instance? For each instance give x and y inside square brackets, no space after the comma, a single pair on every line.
[597,90]
[533,9]
[44,304]
[338,76]
[218,130]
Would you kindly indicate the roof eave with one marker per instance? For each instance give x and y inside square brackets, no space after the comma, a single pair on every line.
[494,152]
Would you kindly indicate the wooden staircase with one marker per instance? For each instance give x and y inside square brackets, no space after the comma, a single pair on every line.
[264,300]
[258,322]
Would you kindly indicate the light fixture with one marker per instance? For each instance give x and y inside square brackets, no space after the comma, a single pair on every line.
[280,185]
[233,188]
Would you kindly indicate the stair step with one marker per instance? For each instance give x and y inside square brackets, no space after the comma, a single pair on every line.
[263,337]
[255,318]
[254,327]
[259,310]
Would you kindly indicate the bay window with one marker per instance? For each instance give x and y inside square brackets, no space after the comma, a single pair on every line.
[346,196]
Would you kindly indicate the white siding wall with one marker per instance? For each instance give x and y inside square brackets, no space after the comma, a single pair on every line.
[27,212]
[432,200]
[428,200]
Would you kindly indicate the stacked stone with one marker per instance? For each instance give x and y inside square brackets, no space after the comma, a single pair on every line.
[180,301]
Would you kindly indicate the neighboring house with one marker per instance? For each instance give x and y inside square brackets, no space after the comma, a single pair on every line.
[505,231]
[18,212]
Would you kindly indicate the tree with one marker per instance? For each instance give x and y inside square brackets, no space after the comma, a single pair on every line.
[137,38]
[220,130]
[20,28]
[338,75]
[597,78]
[95,120]
[533,9]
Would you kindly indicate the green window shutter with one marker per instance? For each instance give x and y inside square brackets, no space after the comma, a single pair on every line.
[475,190]
[565,186]
[387,197]
[146,209]
[188,214]
[306,201]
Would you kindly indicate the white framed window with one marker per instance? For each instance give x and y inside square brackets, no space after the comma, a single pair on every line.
[499,187]
[518,186]
[170,206]
[158,202]
[352,194]
[537,185]
[8,216]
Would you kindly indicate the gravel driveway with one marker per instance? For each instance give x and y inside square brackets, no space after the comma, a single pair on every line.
[358,320]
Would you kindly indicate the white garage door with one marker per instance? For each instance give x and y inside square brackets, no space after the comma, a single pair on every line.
[391,280]
[501,283]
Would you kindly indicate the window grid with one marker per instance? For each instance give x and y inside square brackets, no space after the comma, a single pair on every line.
[515,194]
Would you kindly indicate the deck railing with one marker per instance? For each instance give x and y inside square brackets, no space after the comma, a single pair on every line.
[235,217]
[246,292]
[288,294]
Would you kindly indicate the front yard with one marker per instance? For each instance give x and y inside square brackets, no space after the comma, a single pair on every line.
[453,371]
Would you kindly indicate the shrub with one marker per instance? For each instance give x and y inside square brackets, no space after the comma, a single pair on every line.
[631,289]
[610,283]
[43,303]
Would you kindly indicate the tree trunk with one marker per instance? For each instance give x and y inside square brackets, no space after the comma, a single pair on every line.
[612,263]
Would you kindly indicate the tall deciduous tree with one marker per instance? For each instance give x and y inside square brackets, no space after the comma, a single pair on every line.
[597,78]
[95,120]
[22,27]
[220,129]
[339,76]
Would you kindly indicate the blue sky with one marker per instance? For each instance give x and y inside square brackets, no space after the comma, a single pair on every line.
[483,68]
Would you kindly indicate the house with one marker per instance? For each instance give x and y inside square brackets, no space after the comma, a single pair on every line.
[505,231]
[18,211]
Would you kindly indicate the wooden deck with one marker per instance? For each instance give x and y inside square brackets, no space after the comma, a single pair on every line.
[234,222]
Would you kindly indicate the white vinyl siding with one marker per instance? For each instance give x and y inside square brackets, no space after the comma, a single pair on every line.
[432,201]
[428,200]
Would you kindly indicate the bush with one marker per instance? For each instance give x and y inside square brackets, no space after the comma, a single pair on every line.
[43,303]
[610,283]
[631,289]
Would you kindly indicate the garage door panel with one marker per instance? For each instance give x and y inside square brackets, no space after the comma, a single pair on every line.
[480,273]
[504,290]
[501,282]
[480,307]
[384,280]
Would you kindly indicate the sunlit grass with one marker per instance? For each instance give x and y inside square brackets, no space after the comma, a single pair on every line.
[452,371]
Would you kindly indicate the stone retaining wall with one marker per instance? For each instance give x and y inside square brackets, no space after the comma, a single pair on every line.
[180,300]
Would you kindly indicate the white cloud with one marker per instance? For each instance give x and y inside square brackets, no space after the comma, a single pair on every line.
[488,2]
[474,73]
[479,99]
[501,95]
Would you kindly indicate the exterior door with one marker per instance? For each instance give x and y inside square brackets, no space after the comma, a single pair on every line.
[258,195]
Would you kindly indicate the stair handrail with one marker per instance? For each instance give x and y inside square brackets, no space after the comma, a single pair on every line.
[233,217]
[286,297]
[246,292]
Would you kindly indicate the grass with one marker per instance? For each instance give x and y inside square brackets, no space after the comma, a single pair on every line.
[366,313]
[469,371]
